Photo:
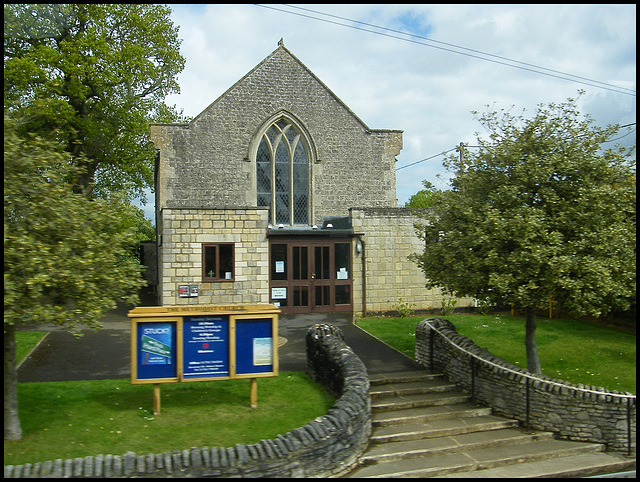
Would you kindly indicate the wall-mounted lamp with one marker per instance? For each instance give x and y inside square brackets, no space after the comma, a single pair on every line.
[358,247]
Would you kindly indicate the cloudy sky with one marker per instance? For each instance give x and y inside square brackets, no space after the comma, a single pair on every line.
[423,68]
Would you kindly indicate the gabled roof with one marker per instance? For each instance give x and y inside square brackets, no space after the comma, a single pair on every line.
[281,49]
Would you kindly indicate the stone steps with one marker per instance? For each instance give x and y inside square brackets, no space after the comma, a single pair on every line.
[422,426]
[428,413]
[581,465]
[467,460]
[440,428]
[418,400]
[380,452]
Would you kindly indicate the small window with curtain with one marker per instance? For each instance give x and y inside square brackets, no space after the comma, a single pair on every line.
[217,262]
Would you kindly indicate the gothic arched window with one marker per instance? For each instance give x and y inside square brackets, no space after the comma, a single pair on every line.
[282,174]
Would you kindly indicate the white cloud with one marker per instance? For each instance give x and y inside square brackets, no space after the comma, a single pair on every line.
[427,92]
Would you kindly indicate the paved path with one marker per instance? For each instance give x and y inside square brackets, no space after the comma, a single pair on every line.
[106,353]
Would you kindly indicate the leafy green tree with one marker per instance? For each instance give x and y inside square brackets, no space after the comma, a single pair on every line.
[67,259]
[424,198]
[95,75]
[541,209]
[84,81]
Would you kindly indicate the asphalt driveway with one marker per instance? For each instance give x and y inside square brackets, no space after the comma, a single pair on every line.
[106,353]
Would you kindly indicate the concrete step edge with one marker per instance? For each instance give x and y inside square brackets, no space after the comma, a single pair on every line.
[581,465]
[399,377]
[464,442]
[397,389]
[473,460]
[411,415]
[411,432]
[418,400]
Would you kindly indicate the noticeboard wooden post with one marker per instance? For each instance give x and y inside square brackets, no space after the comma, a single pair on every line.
[171,344]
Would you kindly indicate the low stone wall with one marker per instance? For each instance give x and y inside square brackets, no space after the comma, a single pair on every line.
[324,447]
[575,412]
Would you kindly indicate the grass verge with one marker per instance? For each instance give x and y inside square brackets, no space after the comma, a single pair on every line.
[62,420]
[25,342]
[77,419]
[571,350]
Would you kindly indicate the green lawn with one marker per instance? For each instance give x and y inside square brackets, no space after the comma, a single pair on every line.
[27,341]
[570,350]
[77,419]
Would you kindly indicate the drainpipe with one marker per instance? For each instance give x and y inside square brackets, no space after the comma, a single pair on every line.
[364,277]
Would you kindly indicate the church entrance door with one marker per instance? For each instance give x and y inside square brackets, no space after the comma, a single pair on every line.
[309,275]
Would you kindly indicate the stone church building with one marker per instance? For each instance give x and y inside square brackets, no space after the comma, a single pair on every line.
[278,193]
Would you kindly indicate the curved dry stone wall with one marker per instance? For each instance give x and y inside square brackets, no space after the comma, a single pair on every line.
[576,412]
[326,446]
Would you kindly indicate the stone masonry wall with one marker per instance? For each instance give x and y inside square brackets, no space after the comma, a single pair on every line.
[329,445]
[571,411]
[210,162]
[180,255]
[389,237]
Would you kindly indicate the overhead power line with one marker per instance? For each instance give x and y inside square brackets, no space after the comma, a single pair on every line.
[466,146]
[461,50]
[426,159]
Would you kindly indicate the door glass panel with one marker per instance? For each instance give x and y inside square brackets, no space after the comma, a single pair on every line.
[322,295]
[280,297]
[343,295]
[322,262]
[326,269]
[300,262]
[342,261]
[278,261]
[300,296]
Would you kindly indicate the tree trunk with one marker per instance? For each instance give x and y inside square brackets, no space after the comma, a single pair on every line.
[533,360]
[12,428]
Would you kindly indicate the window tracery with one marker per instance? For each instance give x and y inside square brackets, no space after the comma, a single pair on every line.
[282,174]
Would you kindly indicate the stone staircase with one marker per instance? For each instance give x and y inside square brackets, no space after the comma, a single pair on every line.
[423,426]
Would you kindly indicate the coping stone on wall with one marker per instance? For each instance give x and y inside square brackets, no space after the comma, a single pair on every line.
[327,446]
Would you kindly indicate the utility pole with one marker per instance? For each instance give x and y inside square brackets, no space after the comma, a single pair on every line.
[460,149]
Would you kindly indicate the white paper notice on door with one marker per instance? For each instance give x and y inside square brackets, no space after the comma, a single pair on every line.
[342,274]
[279,293]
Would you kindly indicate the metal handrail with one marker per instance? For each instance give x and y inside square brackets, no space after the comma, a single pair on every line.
[528,377]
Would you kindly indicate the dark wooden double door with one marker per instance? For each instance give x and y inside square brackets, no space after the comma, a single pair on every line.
[311,275]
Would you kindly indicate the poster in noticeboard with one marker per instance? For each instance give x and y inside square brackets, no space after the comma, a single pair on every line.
[205,346]
[166,348]
[254,346]
[156,357]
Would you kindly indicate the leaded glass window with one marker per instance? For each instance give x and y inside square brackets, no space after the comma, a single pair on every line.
[282,174]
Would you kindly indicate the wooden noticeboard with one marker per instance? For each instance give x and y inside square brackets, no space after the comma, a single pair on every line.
[196,343]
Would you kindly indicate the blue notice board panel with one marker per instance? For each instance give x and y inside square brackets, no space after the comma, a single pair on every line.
[205,347]
[156,350]
[254,345]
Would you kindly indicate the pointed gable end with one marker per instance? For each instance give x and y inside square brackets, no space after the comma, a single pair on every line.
[287,81]
[211,161]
